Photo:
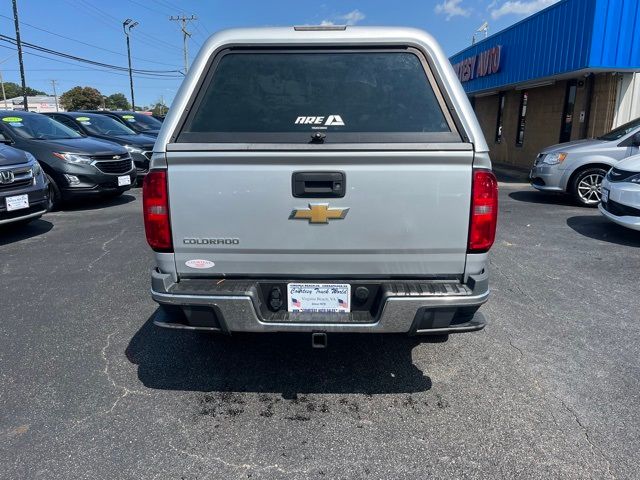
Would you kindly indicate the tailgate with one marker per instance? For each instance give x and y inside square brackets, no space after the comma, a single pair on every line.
[408,214]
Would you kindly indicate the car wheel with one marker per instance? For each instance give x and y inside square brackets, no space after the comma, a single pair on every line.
[586,186]
[55,198]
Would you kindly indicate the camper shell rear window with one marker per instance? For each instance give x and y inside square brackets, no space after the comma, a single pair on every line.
[289,96]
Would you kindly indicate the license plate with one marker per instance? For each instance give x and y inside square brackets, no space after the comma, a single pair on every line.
[319,297]
[605,195]
[124,180]
[17,203]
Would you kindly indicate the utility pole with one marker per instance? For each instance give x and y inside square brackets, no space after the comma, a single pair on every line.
[185,36]
[127,25]
[55,94]
[4,95]
[19,45]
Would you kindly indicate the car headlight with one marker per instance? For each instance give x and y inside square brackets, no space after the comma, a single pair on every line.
[554,158]
[36,169]
[634,179]
[74,158]
[132,149]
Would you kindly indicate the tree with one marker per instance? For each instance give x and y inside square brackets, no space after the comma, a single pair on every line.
[81,98]
[13,90]
[159,108]
[117,101]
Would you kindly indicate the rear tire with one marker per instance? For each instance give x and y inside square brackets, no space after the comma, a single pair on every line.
[586,185]
[55,197]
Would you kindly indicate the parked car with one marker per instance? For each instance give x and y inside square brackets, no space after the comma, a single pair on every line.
[139,122]
[24,189]
[93,125]
[621,193]
[75,165]
[578,167]
[359,198]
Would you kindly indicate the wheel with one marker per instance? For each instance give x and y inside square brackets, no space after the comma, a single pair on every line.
[55,198]
[586,186]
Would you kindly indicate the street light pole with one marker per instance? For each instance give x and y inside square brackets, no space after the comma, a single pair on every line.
[127,25]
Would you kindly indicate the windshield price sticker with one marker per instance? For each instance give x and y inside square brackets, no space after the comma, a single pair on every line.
[305,297]
[12,119]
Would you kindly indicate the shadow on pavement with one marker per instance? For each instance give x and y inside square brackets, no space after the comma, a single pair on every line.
[542,198]
[599,228]
[12,233]
[275,363]
[98,203]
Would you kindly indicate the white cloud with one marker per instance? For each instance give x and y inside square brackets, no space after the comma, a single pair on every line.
[350,18]
[452,8]
[519,7]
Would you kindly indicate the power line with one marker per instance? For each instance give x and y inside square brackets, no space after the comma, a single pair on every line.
[85,43]
[155,40]
[31,54]
[85,60]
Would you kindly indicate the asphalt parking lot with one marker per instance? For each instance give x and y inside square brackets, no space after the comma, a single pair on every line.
[89,388]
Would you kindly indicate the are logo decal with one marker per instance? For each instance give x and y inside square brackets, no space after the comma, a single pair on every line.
[329,121]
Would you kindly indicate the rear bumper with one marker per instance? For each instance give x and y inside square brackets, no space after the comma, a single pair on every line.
[237,307]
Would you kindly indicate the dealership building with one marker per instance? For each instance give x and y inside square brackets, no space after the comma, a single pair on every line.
[565,73]
[38,103]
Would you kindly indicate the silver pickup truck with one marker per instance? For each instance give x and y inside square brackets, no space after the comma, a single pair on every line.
[321,179]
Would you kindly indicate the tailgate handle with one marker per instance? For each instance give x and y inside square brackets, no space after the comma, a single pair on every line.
[318,184]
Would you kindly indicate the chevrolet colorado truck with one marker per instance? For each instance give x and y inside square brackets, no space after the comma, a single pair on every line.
[321,179]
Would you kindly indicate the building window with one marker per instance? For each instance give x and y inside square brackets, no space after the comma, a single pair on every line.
[501,97]
[567,112]
[521,118]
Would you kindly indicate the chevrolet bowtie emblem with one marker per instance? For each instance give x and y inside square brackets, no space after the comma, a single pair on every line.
[319,213]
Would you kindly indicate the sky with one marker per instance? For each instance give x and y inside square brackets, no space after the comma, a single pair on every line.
[92,29]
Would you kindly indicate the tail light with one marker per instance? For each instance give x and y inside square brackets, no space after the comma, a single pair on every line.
[155,202]
[484,211]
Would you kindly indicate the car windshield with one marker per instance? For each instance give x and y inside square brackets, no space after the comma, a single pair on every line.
[140,121]
[37,127]
[103,125]
[621,131]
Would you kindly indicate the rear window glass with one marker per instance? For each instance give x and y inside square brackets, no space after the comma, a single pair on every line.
[298,94]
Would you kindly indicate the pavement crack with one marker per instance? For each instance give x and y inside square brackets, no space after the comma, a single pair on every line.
[124,390]
[242,467]
[514,346]
[105,250]
[585,431]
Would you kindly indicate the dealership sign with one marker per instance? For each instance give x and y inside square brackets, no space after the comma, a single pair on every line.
[482,64]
